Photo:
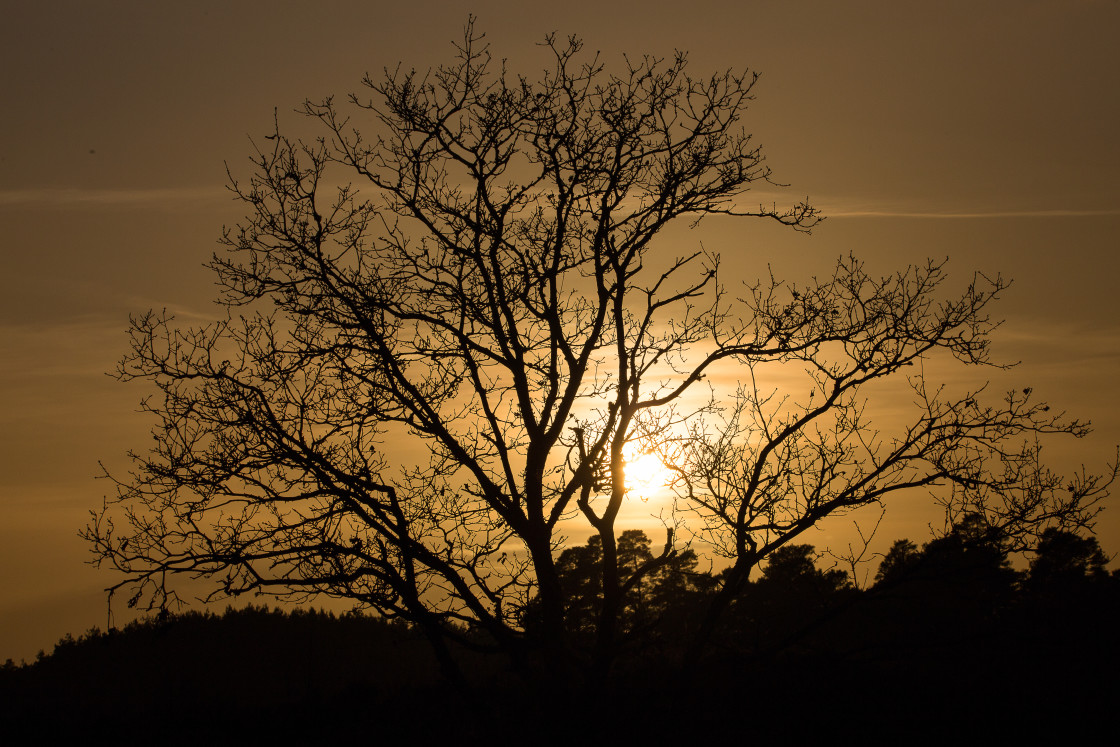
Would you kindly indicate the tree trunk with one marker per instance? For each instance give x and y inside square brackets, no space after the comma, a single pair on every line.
[605,640]
[736,577]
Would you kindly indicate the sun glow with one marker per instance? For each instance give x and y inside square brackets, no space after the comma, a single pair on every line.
[646,474]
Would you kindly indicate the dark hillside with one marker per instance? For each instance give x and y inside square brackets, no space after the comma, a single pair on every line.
[949,641]
[253,671]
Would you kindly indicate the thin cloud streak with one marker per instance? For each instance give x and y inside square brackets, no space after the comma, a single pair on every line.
[947,215]
[65,197]
[757,200]
[840,206]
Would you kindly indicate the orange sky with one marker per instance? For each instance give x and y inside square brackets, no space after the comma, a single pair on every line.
[985,132]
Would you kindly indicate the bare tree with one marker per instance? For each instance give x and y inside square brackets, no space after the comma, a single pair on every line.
[775,465]
[446,320]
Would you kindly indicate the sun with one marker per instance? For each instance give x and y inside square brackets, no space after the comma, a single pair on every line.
[645,472]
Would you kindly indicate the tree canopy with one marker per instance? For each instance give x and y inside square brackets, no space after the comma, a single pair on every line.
[447,321]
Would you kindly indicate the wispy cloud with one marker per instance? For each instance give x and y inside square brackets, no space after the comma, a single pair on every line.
[761,199]
[849,206]
[76,197]
[835,212]
[77,346]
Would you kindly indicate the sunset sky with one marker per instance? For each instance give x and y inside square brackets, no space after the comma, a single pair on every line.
[985,132]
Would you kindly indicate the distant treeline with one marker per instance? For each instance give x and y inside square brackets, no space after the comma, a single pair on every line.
[949,637]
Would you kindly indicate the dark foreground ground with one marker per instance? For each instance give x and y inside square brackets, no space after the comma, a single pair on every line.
[257,676]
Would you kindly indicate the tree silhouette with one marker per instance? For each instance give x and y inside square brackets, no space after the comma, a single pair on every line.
[970,562]
[1063,557]
[795,565]
[787,604]
[446,320]
[660,588]
[958,592]
[898,563]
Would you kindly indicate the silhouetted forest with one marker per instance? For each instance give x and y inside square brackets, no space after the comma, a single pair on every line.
[948,639]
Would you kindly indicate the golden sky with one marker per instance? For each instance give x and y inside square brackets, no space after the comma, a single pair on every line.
[980,131]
